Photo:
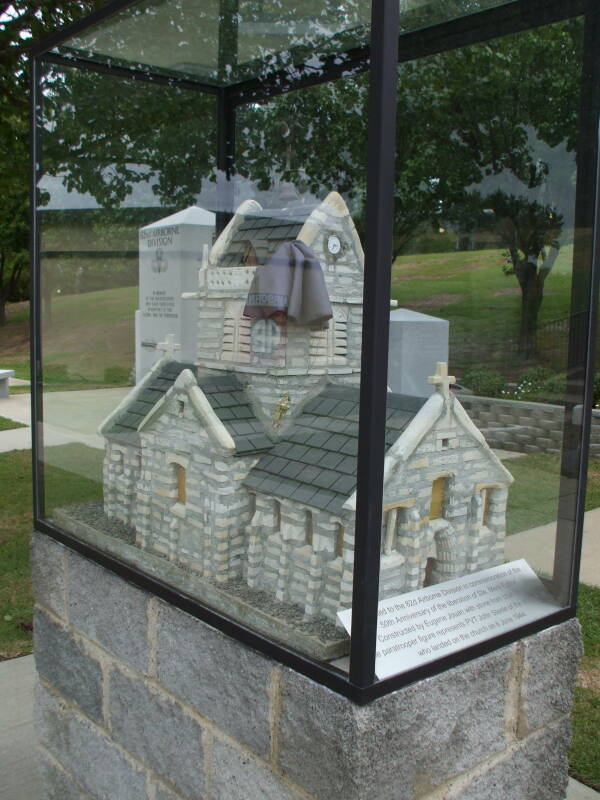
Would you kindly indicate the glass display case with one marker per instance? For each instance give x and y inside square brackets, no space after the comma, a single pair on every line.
[313,318]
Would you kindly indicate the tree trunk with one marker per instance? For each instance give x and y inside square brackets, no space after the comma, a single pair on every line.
[532,294]
[3,319]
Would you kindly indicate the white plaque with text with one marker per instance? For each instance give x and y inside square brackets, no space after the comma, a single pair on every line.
[426,624]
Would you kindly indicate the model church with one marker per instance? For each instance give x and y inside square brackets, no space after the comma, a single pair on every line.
[242,465]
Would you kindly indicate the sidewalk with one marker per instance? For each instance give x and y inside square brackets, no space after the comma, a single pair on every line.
[536,546]
[68,417]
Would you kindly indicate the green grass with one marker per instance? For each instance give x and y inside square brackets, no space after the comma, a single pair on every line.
[62,486]
[584,756]
[533,497]
[88,343]
[9,424]
[482,304]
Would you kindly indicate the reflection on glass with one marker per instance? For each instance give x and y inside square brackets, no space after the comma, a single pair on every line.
[482,273]
[223,452]
[415,14]
[202,274]
[223,43]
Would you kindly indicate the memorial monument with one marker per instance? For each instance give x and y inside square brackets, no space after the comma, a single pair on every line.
[170,254]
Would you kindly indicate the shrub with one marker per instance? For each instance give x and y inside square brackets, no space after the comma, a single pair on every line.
[538,385]
[484,381]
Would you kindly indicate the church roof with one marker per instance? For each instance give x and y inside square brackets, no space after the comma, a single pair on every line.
[258,235]
[225,394]
[315,461]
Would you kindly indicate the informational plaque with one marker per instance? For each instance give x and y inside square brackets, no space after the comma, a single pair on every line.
[424,625]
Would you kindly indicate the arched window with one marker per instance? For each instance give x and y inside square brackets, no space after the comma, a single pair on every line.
[180,478]
[438,496]
[339,539]
[310,528]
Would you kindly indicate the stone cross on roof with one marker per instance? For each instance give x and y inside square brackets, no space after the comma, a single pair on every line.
[441,380]
[169,346]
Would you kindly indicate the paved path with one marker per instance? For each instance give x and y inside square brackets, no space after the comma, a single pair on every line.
[536,546]
[19,779]
[68,417]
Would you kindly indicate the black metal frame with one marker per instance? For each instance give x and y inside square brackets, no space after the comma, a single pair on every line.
[386,50]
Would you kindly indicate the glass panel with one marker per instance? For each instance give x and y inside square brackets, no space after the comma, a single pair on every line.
[203,278]
[415,14]
[203,38]
[478,359]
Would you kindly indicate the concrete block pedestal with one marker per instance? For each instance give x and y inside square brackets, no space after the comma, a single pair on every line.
[137,700]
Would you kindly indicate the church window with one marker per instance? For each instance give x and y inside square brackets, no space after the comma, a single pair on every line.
[486,493]
[393,517]
[310,528]
[438,492]
[236,334]
[331,343]
[339,539]
[180,477]
[276,515]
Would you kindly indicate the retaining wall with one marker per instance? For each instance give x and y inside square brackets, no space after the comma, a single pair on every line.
[522,426]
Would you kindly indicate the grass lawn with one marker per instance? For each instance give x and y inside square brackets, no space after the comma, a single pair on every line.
[533,497]
[15,512]
[9,424]
[481,303]
[88,344]
[584,757]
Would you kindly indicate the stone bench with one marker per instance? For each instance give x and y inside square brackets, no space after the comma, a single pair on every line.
[5,375]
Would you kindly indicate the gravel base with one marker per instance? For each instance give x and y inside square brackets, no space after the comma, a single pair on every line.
[291,615]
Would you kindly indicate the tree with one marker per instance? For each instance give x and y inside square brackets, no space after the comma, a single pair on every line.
[485,133]
[21,24]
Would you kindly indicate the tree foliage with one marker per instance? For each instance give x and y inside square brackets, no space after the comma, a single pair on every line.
[487,141]
[21,24]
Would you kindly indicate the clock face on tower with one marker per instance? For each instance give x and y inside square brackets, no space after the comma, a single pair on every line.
[334,245]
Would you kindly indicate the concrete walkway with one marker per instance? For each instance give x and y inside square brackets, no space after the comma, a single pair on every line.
[68,417]
[536,546]
[19,777]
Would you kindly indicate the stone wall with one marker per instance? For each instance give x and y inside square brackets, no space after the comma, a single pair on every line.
[524,427]
[140,701]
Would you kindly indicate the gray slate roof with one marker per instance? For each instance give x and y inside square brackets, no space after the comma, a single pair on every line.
[315,462]
[225,394]
[262,235]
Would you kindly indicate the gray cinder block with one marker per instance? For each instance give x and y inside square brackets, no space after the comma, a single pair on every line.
[108,610]
[418,736]
[550,668]
[63,662]
[240,776]
[158,732]
[48,573]
[218,677]
[103,770]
